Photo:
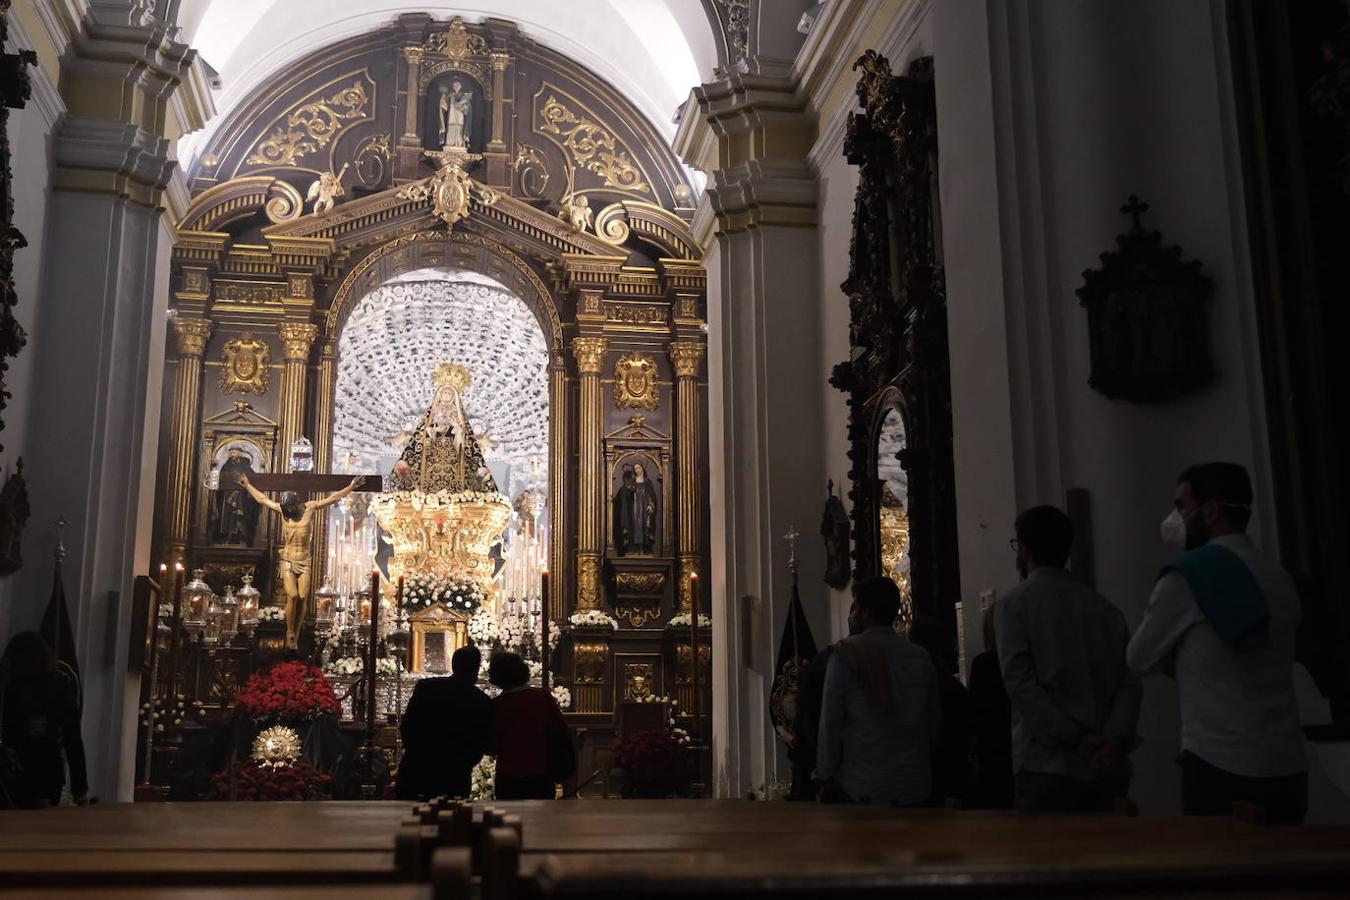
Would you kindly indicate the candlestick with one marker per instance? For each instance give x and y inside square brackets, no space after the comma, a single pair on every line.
[176,626]
[543,631]
[695,690]
[371,656]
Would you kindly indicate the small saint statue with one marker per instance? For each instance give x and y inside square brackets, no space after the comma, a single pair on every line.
[326,190]
[297,521]
[576,212]
[635,513]
[455,112]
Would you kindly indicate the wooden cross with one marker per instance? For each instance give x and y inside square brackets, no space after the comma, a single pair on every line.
[1134,208]
[313,482]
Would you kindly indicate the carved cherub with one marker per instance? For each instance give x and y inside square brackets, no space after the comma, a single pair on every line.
[326,190]
[576,212]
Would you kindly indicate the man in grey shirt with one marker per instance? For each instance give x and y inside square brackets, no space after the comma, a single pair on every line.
[1223,620]
[1075,704]
[880,712]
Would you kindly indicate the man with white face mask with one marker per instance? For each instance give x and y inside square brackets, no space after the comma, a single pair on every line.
[1223,620]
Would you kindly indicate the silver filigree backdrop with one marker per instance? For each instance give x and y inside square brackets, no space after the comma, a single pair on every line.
[396,337]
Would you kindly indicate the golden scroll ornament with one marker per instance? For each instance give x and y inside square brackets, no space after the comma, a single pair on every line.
[311,126]
[590,144]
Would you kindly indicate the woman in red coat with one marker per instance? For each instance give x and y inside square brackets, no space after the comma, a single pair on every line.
[534,750]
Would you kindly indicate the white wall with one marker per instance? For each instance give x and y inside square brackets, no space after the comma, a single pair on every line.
[30,132]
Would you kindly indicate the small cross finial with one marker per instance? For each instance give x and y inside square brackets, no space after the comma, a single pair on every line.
[1134,208]
[791,538]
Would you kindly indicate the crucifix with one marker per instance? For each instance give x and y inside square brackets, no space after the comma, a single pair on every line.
[297,518]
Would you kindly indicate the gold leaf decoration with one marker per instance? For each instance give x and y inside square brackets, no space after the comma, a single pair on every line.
[313,124]
[590,144]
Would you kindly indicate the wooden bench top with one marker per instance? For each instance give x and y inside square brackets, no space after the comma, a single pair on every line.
[195,867]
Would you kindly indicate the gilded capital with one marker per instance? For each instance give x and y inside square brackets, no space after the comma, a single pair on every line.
[590,353]
[499,60]
[686,357]
[413,55]
[192,335]
[296,338]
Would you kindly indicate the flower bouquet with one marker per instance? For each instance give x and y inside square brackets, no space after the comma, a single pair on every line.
[482,780]
[484,629]
[650,763]
[681,620]
[592,618]
[292,690]
[422,589]
[353,666]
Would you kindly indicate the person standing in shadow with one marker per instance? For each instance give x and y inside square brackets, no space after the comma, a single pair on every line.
[991,727]
[530,737]
[39,726]
[446,731]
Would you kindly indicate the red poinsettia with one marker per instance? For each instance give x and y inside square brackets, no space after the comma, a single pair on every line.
[292,690]
[298,781]
[649,759]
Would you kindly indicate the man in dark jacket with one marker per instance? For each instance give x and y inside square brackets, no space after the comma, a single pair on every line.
[446,731]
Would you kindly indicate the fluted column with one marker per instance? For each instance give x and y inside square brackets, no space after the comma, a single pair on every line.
[590,356]
[296,338]
[557,484]
[323,450]
[410,109]
[499,60]
[192,335]
[687,358]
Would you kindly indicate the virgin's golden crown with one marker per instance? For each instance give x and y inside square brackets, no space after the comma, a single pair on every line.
[452,375]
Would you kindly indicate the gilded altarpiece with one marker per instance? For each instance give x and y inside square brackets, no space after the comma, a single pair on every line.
[262,279]
[899,361]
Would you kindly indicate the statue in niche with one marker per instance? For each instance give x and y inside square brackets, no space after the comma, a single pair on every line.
[233,514]
[635,513]
[455,111]
[444,454]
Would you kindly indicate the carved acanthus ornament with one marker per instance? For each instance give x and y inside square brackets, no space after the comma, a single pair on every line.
[313,124]
[684,671]
[296,338]
[590,662]
[629,314]
[589,144]
[635,382]
[734,17]
[686,356]
[588,581]
[639,582]
[590,353]
[639,681]
[192,335]
[244,366]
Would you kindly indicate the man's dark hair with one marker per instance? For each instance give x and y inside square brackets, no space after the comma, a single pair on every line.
[878,595]
[466,661]
[1046,535]
[1224,483]
[291,506]
[507,670]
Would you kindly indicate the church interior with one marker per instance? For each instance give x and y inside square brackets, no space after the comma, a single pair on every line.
[632,344]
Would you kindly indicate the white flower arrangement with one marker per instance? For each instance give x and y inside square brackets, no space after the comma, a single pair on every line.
[535,669]
[484,630]
[482,780]
[681,620]
[563,696]
[271,614]
[456,591]
[554,633]
[593,618]
[437,499]
[352,666]
[169,711]
[511,631]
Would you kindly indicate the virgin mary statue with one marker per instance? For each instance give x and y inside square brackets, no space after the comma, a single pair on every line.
[444,454]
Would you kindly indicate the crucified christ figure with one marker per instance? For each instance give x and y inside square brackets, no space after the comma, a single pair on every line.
[297,518]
